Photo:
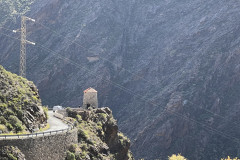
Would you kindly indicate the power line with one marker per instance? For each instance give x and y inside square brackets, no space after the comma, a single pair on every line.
[149,82]
[133,74]
[218,115]
[130,71]
[146,100]
[73,42]
[232,138]
[79,45]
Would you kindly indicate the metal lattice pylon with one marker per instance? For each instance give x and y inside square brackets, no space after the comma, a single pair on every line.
[22,67]
[24,41]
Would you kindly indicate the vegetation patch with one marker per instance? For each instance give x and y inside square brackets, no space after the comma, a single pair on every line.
[98,136]
[44,129]
[177,157]
[20,105]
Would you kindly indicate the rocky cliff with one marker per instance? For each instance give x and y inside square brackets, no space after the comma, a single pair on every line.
[98,136]
[169,68]
[20,105]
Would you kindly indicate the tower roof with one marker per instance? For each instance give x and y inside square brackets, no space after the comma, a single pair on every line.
[90,90]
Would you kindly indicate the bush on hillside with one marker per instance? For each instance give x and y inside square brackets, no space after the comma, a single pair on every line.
[177,157]
[3,120]
[3,128]
[16,123]
[45,110]
[20,104]
[70,156]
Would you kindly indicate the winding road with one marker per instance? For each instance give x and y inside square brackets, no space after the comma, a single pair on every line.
[55,123]
[56,126]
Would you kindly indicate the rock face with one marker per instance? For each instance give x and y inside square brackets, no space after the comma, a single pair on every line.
[20,105]
[11,153]
[98,136]
[169,68]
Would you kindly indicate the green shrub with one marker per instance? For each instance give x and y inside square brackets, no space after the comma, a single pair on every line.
[123,139]
[79,118]
[84,146]
[10,104]
[83,155]
[68,110]
[77,156]
[11,157]
[3,106]
[20,114]
[13,120]
[70,156]
[3,120]
[71,113]
[3,128]
[102,116]
[14,109]
[25,101]
[99,127]
[19,127]
[16,123]
[8,113]
[177,157]
[83,134]
[9,126]
[73,148]
[45,110]
[35,98]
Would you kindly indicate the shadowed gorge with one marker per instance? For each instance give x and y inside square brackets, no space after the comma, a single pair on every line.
[168,69]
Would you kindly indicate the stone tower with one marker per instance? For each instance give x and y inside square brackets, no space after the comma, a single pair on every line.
[90,98]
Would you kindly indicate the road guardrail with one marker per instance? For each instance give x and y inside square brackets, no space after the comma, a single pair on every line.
[46,133]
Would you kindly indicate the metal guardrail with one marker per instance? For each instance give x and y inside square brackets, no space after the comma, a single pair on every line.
[46,133]
[36,134]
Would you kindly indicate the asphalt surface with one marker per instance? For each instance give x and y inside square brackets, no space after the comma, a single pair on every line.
[55,123]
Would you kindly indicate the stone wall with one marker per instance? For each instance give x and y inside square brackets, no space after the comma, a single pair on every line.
[51,147]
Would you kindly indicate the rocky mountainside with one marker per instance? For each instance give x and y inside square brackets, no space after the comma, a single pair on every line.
[20,105]
[169,68]
[11,153]
[11,8]
[98,136]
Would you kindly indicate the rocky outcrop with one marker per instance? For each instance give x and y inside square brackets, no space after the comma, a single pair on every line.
[98,136]
[20,105]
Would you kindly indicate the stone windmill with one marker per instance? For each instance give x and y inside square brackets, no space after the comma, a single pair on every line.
[90,98]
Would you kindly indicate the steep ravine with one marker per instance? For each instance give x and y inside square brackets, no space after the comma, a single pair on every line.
[143,57]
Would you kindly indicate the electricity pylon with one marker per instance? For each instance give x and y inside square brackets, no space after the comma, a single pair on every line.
[24,41]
